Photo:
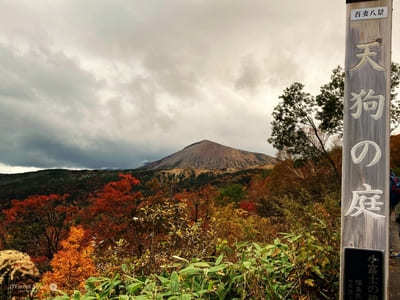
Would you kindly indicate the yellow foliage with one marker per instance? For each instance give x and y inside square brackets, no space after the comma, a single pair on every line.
[71,266]
[236,225]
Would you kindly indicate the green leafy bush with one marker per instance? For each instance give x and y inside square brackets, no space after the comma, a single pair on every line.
[231,193]
[289,268]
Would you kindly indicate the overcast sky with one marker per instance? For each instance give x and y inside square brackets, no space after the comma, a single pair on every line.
[112,84]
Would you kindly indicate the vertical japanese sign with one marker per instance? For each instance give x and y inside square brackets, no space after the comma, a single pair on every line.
[365,173]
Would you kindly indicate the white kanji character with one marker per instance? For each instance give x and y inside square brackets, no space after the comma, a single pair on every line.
[366,57]
[369,102]
[366,202]
[365,147]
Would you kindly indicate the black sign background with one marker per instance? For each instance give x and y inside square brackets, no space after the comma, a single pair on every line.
[363,276]
[354,1]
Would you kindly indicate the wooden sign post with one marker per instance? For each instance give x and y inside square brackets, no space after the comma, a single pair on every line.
[365,175]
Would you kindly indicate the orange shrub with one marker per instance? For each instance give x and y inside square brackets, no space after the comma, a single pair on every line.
[71,266]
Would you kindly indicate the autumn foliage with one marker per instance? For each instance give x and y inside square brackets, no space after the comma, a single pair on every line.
[199,202]
[235,225]
[138,229]
[110,214]
[71,265]
[37,224]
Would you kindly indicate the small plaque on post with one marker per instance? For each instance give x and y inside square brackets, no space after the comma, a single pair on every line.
[360,14]
[363,274]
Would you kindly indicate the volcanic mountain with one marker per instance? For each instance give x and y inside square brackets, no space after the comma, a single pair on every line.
[210,155]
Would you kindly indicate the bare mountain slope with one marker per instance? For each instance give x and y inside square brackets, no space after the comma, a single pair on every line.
[210,155]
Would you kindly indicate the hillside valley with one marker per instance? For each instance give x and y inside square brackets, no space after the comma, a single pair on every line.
[196,165]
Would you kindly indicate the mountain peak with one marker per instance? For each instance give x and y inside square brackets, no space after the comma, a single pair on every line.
[207,154]
[202,142]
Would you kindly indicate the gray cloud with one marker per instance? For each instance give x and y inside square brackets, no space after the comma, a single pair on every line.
[113,83]
[250,76]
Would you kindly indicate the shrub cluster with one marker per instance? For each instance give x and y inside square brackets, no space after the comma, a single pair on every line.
[292,267]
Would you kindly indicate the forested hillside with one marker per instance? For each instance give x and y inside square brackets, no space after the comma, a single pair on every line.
[251,234]
[210,236]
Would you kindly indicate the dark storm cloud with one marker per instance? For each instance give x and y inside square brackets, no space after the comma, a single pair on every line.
[42,75]
[34,143]
[42,96]
[46,152]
